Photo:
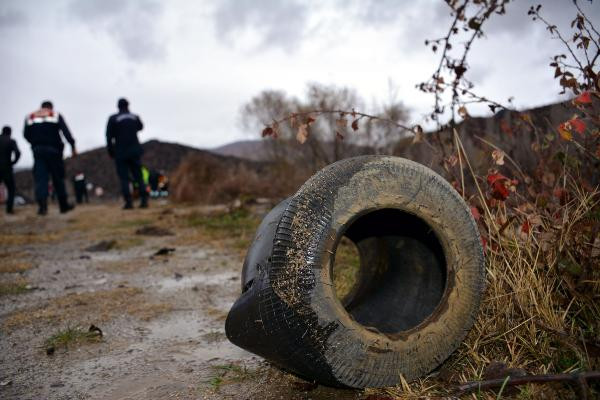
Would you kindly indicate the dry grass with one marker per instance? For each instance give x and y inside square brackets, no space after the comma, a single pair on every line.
[14,262]
[89,307]
[13,286]
[207,180]
[541,309]
[233,230]
[18,239]
[128,266]
[345,268]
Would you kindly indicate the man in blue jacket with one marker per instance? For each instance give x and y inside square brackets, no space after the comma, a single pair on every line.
[42,130]
[8,147]
[123,145]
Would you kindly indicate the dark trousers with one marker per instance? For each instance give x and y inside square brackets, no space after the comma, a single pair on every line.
[6,176]
[124,166]
[80,192]
[49,163]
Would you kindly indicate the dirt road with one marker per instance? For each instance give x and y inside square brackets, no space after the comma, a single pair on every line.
[161,316]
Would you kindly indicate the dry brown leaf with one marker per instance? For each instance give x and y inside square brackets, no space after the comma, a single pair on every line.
[498,157]
[302,134]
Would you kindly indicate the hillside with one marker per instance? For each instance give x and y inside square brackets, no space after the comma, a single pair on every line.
[99,168]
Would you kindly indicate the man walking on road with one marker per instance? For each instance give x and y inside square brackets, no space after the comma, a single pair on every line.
[42,130]
[123,145]
[8,147]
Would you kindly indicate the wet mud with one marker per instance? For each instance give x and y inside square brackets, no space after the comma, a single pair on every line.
[162,316]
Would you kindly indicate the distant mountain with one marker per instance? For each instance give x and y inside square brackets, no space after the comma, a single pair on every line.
[290,150]
[255,150]
[99,168]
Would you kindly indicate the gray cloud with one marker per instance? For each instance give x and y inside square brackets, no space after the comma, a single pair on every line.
[11,18]
[132,25]
[277,23]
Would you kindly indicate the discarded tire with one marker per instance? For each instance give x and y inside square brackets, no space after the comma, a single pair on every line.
[420,279]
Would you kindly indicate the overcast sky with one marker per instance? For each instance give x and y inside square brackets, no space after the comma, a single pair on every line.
[188,66]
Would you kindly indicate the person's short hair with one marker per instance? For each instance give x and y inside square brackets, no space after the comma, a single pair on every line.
[47,104]
[6,130]
[122,103]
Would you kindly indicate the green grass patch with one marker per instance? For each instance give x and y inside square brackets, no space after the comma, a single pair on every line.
[132,223]
[234,221]
[71,337]
[230,373]
[237,227]
[128,243]
[13,287]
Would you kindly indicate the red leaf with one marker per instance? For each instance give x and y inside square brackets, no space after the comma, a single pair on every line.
[309,121]
[484,244]
[583,98]
[526,227]
[355,124]
[499,190]
[268,131]
[578,125]
[475,213]
[493,177]
[339,135]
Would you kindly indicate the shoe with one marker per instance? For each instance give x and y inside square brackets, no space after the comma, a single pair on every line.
[43,207]
[128,206]
[66,208]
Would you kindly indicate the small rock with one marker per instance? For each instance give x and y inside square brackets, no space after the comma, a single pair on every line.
[178,276]
[6,382]
[50,350]
[94,329]
[68,287]
[57,272]
[152,230]
[164,251]
[104,245]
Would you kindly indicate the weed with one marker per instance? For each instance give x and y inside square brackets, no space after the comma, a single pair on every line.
[17,286]
[230,373]
[215,382]
[13,263]
[70,337]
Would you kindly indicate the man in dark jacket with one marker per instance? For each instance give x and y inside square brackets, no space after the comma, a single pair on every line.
[123,145]
[42,131]
[8,147]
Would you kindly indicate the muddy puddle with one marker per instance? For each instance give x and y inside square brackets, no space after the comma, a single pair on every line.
[162,317]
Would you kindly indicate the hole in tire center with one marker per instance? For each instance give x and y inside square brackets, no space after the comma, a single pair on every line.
[389,270]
